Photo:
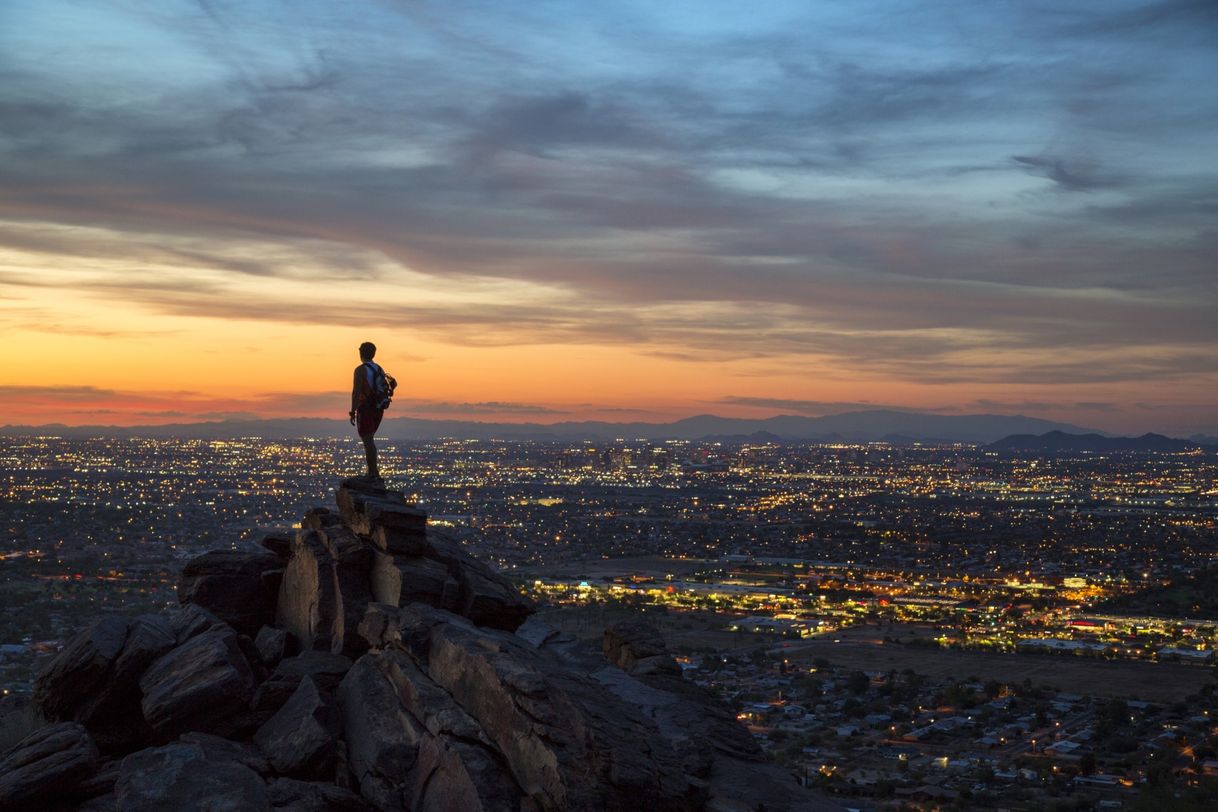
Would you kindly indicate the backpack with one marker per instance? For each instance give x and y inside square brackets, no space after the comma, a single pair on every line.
[380,386]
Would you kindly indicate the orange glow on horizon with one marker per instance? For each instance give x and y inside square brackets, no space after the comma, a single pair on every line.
[114,350]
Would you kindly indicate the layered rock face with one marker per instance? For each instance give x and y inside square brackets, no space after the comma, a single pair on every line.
[367,662]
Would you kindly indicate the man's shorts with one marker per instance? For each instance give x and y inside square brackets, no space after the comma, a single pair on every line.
[368,420]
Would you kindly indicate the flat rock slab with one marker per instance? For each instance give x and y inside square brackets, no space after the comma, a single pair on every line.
[365,507]
[182,776]
[47,764]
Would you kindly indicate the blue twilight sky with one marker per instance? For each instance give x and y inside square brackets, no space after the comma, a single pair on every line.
[932,204]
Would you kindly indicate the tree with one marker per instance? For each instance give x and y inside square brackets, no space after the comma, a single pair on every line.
[1117,712]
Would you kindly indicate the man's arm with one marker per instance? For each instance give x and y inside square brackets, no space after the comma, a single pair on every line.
[355,393]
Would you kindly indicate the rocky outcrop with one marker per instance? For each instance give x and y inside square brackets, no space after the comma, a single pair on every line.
[386,670]
[379,549]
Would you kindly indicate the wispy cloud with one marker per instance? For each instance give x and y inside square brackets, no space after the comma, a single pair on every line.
[814,408]
[490,407]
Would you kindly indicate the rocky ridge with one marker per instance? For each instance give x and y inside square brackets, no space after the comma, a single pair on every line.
[367,662]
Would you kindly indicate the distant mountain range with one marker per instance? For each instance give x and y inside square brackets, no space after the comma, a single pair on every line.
[1058,441]
[864,426]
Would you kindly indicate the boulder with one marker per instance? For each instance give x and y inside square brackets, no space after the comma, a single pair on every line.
[238,587]
[99,784]
[101,803]
[485,597]
[309,604]
[406,579]
[458,766]
[217,748]
[272,645]
[63,688]
[183,776]
[723,758]
[382,738]
[113,713]
[324,668]
[189,620]
[489,599]
[365,507]
[401,541]
[638,647]
[279,544]
[353,560]
[148,638]
[92,683]
[300,738]
[204,684]
[412,747]
[46,765]
[254,658]
[379,628]
[319,518]
[312,796]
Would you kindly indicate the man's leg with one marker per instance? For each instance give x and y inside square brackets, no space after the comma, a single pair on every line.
[370,453]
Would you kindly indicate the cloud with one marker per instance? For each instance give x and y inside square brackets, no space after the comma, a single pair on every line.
[1008,406]
[806,407]
[20,392]
[229,414]
[478,408]
[1098,406]
[1072,175]
[859,189]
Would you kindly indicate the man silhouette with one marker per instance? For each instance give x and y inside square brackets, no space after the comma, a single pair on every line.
[366,412]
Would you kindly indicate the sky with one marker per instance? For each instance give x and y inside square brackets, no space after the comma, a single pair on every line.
[553,211]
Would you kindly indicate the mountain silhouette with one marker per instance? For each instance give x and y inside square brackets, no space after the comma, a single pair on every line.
[863,426]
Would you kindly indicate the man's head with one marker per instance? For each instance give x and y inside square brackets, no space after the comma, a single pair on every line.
[367,351]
